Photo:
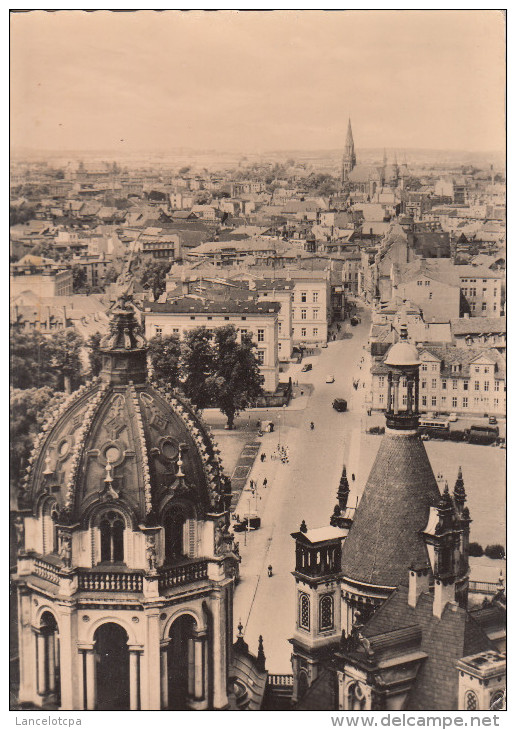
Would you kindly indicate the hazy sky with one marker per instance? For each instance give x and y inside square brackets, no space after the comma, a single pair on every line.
[254,81]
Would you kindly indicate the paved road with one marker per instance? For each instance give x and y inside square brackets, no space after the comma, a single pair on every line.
[305,488]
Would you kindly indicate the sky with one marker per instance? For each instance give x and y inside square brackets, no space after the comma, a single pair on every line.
[257,81]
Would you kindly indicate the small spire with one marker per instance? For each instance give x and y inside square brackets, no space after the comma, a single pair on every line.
[260,659]
[240,629]
[459,493]
[303,528]
[109,469]
[180,473]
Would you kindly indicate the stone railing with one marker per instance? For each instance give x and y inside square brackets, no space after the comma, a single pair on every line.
[47,571]
[180,574]
[479,586]
[281,680]
[110,581]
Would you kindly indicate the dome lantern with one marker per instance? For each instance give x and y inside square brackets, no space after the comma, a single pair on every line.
[124,352]
[403,363]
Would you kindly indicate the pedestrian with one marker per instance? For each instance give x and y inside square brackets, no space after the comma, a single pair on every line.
[265,482]
[312,425]
[352,477]
[269,571]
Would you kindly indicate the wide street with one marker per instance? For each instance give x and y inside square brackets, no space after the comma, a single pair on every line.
[305,488]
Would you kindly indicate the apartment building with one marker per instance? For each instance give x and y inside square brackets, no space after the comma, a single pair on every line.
[259,319]
[282,292]
[451,379]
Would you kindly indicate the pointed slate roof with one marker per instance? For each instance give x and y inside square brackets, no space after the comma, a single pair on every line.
[384,539]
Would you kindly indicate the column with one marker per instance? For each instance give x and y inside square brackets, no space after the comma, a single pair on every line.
[191,667]
[410,393]
[51,653]
[396,393]
[163,663]
[91,679]
[220,698]
[389,392]
[41,663]
[199,650]
[134,689]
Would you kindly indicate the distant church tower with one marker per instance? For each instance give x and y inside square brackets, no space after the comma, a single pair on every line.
[349,159]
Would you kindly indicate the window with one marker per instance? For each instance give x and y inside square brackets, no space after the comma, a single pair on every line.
[477,369]
[476,402]
[50,514]
[494,292]
[464,402]
[486,386]
[471,701]
[303,331]
[465,384]
[484,307]
[175,331]
[261,335]
[443,384]
[495,402]
[326,613]
[494,307]
[429,294]
[304,611]
[260,354]
[423,384]
[424,367]
[434,367]
[420,283]
[472,292]
[279,345]
[279,327]
[434,400]
[427,283]
[443,400]
[315,297]
[404,400]
[112,528]
[315,331]
[380,399]
[303,296]
[477,385]
[404,382]
[303,314]
[434,383]
[159,331]
[243,332]
[381,381]
[455,384]
[497,385]
[486,371]
[454,402]
[316,314]
[423,400]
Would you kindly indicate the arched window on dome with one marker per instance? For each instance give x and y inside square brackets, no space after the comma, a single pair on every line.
[49,519]
[180,536]
[111,527]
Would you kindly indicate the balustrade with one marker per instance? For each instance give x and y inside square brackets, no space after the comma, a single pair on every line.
[180,574]
[107,581]
[47,571]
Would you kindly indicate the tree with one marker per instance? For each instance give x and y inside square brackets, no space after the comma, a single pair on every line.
[153,276]
[79,277]
[495,552]
[94,354]
[198,366]
[184,170]
[165,356]
[27,413]
[475,550]
[237,380]
[38,361]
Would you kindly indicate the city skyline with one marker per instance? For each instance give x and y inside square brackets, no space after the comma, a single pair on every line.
[228,81]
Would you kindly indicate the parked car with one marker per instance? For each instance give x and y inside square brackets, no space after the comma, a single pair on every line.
[250,522]
[306,367]
[340,405]
[492,420]
[354,321]
[324,345]
[482,434]
[330,379]
[453,417]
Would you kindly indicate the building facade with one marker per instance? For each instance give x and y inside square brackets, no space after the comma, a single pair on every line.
[255,318]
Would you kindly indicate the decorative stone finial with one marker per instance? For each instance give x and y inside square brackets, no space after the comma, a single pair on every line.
[303,528]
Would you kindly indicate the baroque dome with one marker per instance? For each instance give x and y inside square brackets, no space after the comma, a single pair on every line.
[119,439]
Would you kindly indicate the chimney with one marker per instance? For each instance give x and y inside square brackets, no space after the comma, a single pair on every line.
[419,582]
[444,592]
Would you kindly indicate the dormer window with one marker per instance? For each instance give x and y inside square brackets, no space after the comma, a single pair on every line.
[456,368]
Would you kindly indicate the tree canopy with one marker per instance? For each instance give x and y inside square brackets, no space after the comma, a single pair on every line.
[152,275]
[38,361]
[198,366]
[94,354]
[165,356]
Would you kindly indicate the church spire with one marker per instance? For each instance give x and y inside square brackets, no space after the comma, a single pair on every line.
[349,159]
[459,493]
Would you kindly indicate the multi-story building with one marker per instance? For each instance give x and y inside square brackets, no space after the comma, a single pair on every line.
[259,319]
[47,279]
[281,291]
[470,381]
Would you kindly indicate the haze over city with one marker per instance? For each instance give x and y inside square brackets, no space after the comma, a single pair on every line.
[257,81]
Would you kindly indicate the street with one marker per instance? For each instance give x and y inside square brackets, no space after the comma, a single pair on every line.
[305,488]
